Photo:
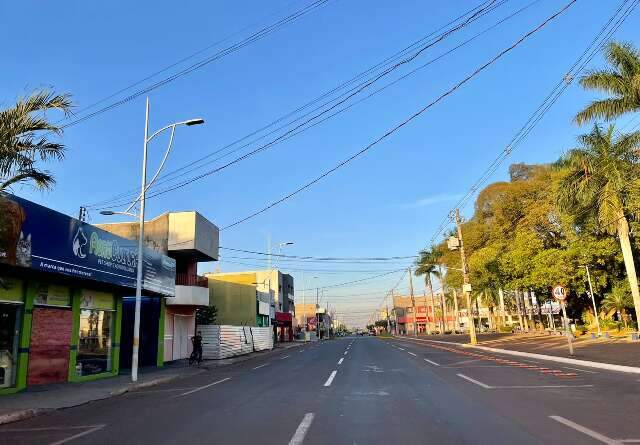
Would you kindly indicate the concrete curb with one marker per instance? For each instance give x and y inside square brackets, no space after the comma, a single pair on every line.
[550,358]
[154,382]
[553,358]
[24,414]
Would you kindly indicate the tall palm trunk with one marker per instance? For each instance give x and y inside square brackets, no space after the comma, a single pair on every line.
[444,313]
[433,304]
[625,245]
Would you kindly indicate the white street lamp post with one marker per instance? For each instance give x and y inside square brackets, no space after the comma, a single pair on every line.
[143,189]
[593,300]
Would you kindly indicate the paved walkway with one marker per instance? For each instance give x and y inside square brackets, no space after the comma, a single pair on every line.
[37,399]
[617,351]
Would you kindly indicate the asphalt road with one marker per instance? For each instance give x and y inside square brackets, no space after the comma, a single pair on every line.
[360,391]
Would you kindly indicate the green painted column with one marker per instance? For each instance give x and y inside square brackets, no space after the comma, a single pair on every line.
[160,357]
[76,295]
[30,289]
[117,329]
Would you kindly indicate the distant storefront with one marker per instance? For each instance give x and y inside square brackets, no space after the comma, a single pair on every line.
[62,284]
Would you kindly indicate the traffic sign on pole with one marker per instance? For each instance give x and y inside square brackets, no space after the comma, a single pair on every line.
[559,292]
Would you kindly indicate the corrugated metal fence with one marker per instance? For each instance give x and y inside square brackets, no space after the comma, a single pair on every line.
[228,341]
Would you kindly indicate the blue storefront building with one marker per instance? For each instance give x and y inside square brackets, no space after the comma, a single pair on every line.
[66,306]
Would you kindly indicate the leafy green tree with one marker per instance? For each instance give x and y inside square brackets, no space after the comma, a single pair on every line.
[600,178]
[206,315]
[619,300]
[621,81]
[23,139]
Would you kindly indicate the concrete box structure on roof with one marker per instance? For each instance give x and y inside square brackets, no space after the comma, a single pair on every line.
[189,238]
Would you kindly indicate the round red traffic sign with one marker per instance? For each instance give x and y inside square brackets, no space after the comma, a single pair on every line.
[559,293]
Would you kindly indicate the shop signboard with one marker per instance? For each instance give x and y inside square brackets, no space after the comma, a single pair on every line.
[36,237]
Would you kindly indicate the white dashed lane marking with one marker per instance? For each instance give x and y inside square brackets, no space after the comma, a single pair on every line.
[331,377]
[301,432]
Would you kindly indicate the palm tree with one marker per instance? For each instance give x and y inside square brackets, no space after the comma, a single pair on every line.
[427,265]
[619,299]
[621,81]
[600,178]
[23,139]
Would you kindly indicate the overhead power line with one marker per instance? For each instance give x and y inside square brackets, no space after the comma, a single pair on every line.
[606,32]
[263,32]
[319,258]
[322,111]
[407,120]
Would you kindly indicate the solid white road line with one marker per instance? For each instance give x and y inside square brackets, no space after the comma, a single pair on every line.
[331,377]
[340,361]
[203,387]
[411,353]
[485,386]
[282,358]
[584,430]
[76,436]
[474,381]
[261,366]
[431,361]
[540,386]
[301,432]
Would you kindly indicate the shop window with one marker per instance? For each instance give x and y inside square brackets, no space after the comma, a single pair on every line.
[94,344]
[10,318]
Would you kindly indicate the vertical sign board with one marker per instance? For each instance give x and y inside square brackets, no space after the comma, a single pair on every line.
[560,293]
[39,238]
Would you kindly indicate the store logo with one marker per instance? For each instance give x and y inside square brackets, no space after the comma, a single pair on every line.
[79,241]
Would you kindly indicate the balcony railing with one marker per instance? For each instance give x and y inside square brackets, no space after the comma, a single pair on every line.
[185,279]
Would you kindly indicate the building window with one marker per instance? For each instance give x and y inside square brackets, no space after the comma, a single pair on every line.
[94,345]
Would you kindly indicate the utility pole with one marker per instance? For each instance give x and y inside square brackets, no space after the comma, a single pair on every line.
[386,299]
[394,305]
[317,314]
[465,276]
[593,300]
[455,308]
[413,305]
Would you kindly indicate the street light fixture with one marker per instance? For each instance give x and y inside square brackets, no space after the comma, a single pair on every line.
[111,213]
[140,215]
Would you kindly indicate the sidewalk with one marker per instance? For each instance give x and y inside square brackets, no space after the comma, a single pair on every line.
[616,351]
[41,399]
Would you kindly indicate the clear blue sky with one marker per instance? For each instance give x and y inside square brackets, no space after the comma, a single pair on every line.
[386,203]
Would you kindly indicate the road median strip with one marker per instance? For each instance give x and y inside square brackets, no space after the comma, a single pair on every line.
[551,358]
